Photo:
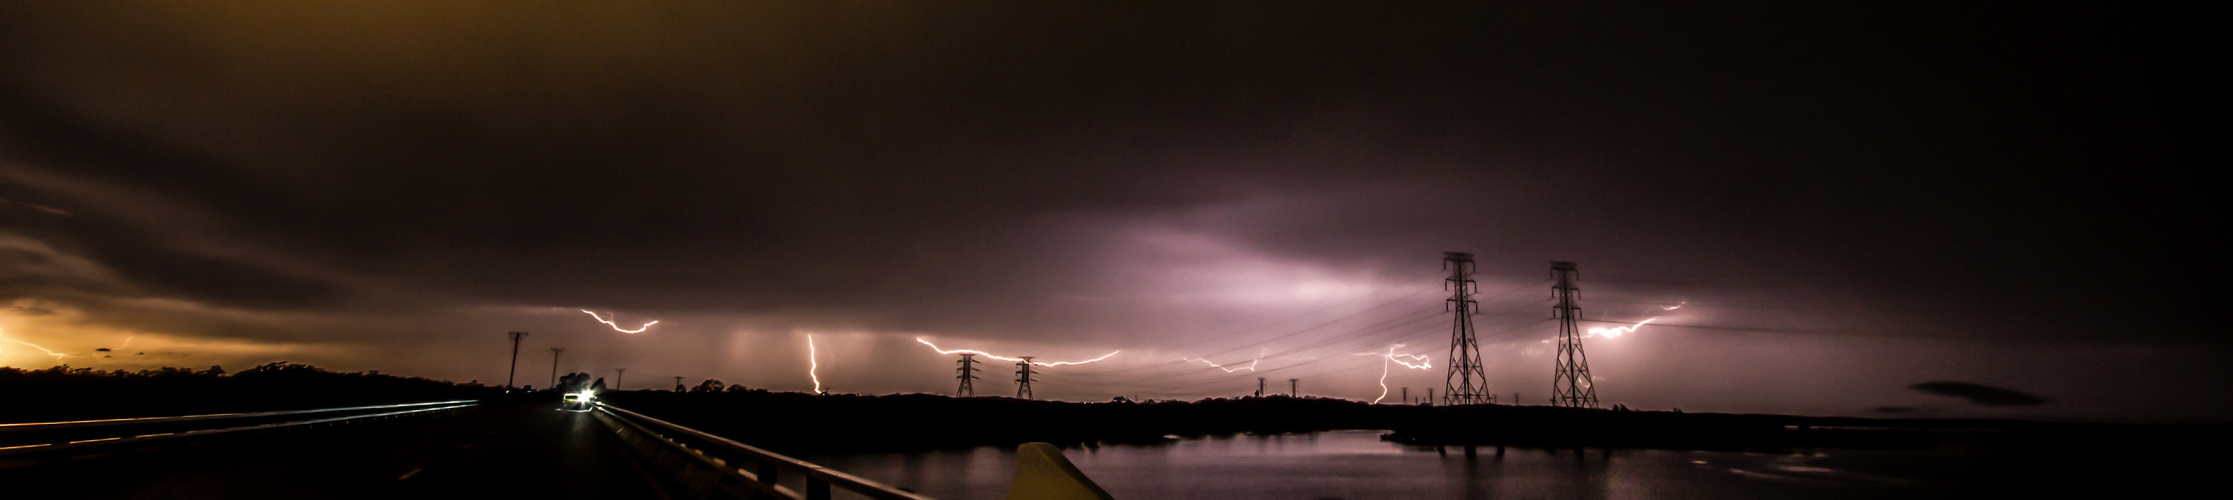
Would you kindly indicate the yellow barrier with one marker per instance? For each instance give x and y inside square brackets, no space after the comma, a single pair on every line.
[1043,474]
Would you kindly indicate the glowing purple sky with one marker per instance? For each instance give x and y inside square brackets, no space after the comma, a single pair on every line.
[1849,202]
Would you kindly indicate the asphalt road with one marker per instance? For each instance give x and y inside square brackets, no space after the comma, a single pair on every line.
[502,450]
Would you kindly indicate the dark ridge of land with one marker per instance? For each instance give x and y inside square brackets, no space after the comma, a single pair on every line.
[797,423]
[65,393]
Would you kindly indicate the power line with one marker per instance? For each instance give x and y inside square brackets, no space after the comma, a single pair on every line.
[1289,319]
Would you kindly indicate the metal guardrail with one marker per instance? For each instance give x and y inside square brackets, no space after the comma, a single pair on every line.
[21,439]
[758,474]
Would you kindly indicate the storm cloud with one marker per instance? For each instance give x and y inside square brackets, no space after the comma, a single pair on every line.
[1829,191]
[1980,394]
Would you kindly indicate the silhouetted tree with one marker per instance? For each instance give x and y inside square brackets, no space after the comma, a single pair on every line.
[710,385]
[573,382]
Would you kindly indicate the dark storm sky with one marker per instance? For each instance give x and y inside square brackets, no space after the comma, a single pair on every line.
[1850,200]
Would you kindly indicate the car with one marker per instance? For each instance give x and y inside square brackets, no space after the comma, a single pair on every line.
[578,401]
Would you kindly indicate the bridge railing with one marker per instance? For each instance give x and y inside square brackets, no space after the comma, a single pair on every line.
[714,466]
[43,438]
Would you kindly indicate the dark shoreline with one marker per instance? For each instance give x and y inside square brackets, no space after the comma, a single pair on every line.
[809,424]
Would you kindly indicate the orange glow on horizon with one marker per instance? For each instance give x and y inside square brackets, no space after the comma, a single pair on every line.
[50,352]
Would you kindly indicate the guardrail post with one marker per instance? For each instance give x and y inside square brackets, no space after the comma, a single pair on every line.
[816,489]
[767,473]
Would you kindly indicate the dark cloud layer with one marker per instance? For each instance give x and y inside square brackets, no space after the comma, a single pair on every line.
[1980,394]
[1021,172]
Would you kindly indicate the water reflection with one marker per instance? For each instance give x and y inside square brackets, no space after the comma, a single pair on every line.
[1357,465]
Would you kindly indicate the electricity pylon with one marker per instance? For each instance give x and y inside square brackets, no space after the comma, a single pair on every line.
[1465,383]
[1023,377]
[968,372]
[1570,382]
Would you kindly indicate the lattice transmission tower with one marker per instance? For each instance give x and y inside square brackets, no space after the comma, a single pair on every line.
[1570,382]
[967,372]
[1023,377]
[1465,383]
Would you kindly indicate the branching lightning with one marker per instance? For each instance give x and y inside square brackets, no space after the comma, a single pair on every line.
[1391,356]
[50,352]
[1251,363]
[1618,330]
[934,347]
[616,326]
[811,365]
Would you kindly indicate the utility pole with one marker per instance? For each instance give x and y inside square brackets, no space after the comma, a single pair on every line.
[1406,395]
[1465,383]
[1292,388]
[678,384]
[617,378]
[968,372]
[554,365]
[1259,387]
[1023,377]
[1570,382]
[1430,396]
[514,372]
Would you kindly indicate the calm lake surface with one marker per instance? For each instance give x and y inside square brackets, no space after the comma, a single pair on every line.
[1358,465]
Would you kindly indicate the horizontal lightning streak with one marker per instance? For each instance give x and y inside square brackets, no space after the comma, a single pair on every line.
[616,326]
[50,352]
[1617,331]
[934,347]
[1251,363]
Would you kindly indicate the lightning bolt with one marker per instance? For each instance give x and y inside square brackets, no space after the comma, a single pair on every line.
[42,208]
[1618,330]
[1251,363]
[616,327]
[1397,358]
[811,366]
[1674,307]
[934,347]
[50,352]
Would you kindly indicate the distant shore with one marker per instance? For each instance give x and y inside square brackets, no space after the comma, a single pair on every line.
[807,423]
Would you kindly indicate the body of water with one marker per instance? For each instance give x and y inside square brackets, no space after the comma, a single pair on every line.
[1358,465]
